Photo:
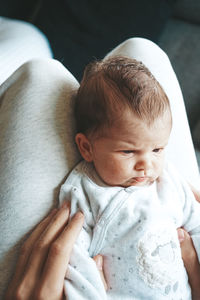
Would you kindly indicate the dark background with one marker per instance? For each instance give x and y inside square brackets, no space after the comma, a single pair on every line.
[81,30]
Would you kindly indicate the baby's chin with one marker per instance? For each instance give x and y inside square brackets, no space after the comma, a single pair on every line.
[135,181]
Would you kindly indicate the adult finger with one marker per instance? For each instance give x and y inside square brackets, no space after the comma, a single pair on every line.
[99,262]
[25,253]
[27,247]
[188,251]
[58,258]
[191,261]
[41,247]
[32,273]
[187,248]
[195,192]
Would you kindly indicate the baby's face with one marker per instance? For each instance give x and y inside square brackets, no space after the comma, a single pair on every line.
[131,153]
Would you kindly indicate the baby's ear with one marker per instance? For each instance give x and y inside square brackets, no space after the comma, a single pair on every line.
[84,146]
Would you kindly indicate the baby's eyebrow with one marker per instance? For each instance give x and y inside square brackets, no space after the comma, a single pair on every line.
[129,145]
[162,145]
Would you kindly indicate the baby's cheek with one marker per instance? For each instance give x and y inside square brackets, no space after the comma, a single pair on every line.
[160,166]
[114,171]
[120,169]
[106,168]
[112,167]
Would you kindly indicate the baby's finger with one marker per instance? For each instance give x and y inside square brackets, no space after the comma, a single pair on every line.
[59,255]
[99,262]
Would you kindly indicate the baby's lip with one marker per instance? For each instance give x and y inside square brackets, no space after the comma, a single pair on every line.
[140,179]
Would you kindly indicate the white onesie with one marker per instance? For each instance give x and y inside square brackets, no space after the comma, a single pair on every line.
[134,229]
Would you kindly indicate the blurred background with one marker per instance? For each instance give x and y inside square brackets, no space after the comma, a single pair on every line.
[81,30]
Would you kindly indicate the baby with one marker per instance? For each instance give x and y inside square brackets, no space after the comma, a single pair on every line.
[132,199]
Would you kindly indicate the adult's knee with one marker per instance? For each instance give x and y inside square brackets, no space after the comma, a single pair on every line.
[140,49]
[41,70]
[44,74]
[144,46]
[139,42]
[20,42]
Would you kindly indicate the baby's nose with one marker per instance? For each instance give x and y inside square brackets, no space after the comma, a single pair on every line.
[143,165]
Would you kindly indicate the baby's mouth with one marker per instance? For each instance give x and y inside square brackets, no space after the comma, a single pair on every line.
[140,179]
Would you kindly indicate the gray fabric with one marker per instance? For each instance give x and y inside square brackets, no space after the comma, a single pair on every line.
[181,42]
[36,150]
[188,10]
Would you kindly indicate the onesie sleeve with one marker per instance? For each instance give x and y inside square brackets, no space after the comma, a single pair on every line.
[82,280]
[190,208]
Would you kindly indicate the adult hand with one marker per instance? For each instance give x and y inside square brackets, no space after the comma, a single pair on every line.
[191,262]
[99,262]
[44,257]
[195,192]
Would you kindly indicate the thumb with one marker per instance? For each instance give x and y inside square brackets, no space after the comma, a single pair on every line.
[99,262]
[187,248]
[181,235]
[191,262]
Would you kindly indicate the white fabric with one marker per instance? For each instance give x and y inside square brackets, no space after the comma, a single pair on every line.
[134,229]
[19,42]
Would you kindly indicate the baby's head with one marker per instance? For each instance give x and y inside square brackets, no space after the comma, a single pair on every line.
[123,121]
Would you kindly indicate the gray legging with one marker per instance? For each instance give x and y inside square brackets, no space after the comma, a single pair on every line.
[37,147]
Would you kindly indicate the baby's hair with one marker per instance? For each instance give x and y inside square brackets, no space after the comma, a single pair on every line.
[112,85]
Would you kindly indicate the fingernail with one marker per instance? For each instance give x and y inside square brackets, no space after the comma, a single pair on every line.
[181,235]
[78,215]
[99,261]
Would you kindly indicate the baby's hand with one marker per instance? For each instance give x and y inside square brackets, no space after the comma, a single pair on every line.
[191,262]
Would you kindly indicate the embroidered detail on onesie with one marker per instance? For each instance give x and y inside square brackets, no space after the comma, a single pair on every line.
[159,258]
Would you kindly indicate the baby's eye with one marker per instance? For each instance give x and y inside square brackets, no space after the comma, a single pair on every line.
[127,151]
[157,150]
